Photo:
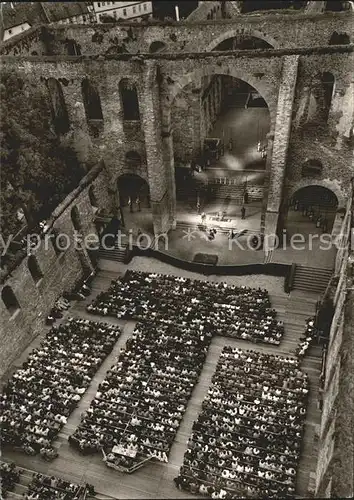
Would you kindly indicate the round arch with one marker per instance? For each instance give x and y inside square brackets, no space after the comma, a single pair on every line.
[133,187]
[143,173]
[236,32]
[330,185]
[196,76]
[319,201]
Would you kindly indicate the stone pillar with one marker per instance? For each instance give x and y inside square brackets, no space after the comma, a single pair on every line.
[281,142]
[75,105]
[160,182]
[302,112]
[82,140]
[196,113]
[168,158]
[342,106]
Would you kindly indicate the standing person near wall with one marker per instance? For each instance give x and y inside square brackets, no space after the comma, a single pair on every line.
[231,145]
[130,203]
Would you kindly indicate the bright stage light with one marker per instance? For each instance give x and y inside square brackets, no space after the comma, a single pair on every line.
[232,162]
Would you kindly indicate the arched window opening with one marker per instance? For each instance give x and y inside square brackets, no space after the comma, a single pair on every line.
[75,218]
[92,101]
[10,300]
[243,42]
[312,168]
[157,46]
[34,269]
[129,100]
[59,112]
[327,80]
[339,39]
[92,197]
[73,48]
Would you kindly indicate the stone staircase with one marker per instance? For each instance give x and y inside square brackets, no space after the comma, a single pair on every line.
[224,188]
[311,279]
[117,253]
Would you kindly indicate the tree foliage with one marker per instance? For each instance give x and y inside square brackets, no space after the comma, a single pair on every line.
[37,171]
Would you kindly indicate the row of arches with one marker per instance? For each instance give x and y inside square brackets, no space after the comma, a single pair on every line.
[227,41]
[92,103]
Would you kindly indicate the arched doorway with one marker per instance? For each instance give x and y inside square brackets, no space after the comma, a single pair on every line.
[220,128]
[312,207]
[134,200]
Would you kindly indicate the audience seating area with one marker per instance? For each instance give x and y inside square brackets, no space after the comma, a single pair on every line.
[141,402]
[238,312]
[39,397]
[247,439]
[9,475]
[48,487]
[40,486]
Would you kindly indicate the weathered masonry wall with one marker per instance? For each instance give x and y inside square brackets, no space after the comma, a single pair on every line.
[331,144]
[279,30]
[194,111]
[334,474]
[60,271]
[331,141]
[281,142]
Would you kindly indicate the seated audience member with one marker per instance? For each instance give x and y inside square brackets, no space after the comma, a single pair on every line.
[9,475]
[39,397]
[50,487]
[142,400]
[236,311]
[249,432]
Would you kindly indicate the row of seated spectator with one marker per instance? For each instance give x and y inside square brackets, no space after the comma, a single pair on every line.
[9,475]
[142,400]
[37,400]
[238,312]
[247,439]
[49,487]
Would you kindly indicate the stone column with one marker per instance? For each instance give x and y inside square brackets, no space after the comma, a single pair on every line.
[168,158]
[281,142]
[160,182]
[341,114]
[303,109]
[85,145]
[196,113]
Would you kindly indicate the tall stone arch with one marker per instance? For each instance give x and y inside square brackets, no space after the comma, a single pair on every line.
[235,32]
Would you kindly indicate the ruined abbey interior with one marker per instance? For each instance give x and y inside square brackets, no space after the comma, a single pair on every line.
[232,124]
